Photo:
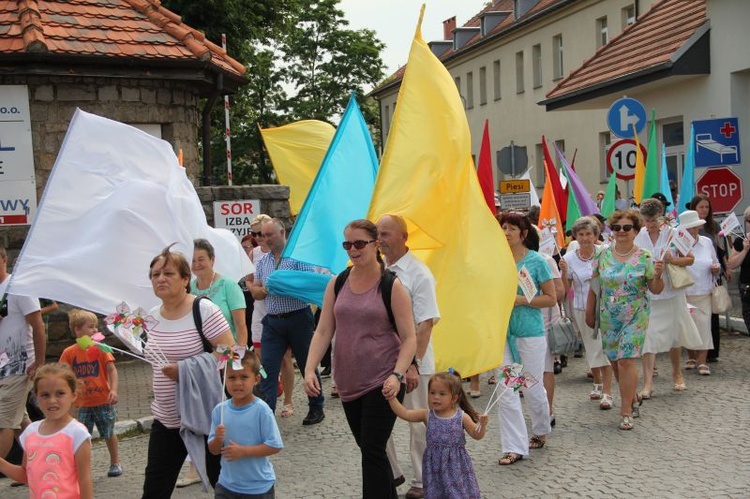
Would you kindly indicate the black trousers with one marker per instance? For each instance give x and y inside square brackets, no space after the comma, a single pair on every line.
[166,453]
[371,421]
[715,336]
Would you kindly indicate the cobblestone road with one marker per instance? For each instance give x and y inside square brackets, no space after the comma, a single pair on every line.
[686,444]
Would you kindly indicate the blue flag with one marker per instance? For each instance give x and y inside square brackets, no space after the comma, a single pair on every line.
[664,182]
[340,193]
[687,187]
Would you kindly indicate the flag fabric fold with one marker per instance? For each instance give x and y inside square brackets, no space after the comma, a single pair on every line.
[640,170]
[115,198]
[664,182]
[484,171]
[687,186]
[549,216]
[297,151]
[584,201]
[427,176]
[608,203]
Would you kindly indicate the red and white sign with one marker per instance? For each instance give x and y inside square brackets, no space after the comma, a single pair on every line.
[621,158]
[723,187]
[236,215]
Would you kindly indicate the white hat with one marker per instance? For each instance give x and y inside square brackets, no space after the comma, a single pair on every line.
[690,219]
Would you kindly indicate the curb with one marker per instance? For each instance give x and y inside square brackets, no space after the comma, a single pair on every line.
[140,425]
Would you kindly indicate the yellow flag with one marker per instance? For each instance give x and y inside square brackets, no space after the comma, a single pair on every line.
[296,152]
[640,170]
[427,176]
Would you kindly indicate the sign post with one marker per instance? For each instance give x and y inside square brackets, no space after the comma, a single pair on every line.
[621,158]
[717,142]
[723,187]
[236,215]
[515,194]
[625,113]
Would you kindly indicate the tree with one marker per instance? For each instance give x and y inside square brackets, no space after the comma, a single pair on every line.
[302,61]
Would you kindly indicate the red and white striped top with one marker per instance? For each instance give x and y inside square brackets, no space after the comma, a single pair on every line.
[178,339]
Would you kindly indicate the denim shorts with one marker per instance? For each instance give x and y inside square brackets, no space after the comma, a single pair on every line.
[103,416]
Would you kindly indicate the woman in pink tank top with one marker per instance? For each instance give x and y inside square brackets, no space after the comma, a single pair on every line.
[371,356]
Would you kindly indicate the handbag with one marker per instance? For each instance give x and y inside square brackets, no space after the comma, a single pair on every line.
[720,299]
[679,276]
[562,337]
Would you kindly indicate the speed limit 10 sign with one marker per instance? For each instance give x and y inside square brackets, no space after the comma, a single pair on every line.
[621,158]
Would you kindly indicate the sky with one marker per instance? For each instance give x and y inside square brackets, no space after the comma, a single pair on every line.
[394,22]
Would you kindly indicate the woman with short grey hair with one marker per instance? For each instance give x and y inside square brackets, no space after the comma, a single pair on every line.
[577,268]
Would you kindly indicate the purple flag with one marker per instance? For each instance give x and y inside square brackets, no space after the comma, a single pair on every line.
[585,203]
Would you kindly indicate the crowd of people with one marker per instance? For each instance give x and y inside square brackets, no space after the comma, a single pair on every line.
[629,289]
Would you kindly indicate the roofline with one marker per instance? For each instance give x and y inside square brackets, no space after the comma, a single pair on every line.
[486,39]
[668,68]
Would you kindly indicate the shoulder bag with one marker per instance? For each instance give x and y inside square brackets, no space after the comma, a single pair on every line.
[720,299]
[679,276]
[562,337]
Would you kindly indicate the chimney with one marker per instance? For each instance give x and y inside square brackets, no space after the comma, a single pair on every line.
[448,26]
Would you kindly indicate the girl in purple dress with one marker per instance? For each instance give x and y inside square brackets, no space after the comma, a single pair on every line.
[447,471]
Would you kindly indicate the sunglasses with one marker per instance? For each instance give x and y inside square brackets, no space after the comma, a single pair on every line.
[624,228]
[359,244]
[256,234]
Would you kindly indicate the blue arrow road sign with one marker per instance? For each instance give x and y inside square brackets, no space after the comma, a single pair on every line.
[717,142]
[625,113]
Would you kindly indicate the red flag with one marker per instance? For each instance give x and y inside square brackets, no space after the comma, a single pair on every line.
[561,198]
[484,172]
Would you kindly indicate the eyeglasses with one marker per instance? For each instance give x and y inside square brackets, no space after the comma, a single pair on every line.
[624,228]
[359,244]
[256,234]
[247,248]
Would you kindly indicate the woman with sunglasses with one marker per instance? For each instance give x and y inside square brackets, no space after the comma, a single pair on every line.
[622,277]
[669,324]
[526,343]
[370,354]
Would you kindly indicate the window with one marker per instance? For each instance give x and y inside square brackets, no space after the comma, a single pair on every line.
[628,16]
[539,174]
[602,32]
[482,86]
[559,146]
[387,119]
[557,57]
[605,139]
[457,79]
[469,90]
[673,134]
[536,60]
[496,79]
[519,72]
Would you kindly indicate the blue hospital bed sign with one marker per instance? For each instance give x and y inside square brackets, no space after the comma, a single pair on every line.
[717,142]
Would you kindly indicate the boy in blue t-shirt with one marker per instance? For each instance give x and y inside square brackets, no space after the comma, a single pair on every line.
[245,437]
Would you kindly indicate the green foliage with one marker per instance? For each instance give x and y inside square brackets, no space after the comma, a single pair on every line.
[303,62]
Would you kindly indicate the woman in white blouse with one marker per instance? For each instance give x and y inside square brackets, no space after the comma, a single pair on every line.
[703,271]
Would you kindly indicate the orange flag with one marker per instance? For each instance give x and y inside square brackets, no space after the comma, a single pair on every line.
[549,215]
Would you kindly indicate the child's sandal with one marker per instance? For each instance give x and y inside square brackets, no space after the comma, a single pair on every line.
[509,458]
[536,442]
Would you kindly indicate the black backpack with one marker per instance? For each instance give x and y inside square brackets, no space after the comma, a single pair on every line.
[386,288]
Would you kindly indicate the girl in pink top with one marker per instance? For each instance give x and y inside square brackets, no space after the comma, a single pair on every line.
[57,449]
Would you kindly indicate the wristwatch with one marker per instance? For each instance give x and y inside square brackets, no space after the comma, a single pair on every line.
[399,376]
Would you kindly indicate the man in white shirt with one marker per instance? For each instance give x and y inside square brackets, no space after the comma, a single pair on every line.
[419,282]
[22,350]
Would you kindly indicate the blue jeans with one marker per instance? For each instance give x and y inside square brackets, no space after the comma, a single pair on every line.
[293,330]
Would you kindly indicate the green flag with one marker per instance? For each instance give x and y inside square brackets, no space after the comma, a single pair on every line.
[574,212]
[651,181]
[608,203]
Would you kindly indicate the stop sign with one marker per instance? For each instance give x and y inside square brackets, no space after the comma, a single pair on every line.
[723,187]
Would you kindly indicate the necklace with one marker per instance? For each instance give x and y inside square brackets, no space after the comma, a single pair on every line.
[580,256]
[623,255]
[206,291]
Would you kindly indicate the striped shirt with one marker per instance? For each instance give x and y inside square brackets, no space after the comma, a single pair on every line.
[277,304]
[178,339]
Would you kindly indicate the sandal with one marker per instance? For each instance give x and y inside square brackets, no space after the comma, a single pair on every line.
[704,370]
[596,393]
[627,423]
[509,458]
[492,380]
[647,394]
[287,411]
[680,387]
[536,442]
[690,364]
[475,394]
[606,402]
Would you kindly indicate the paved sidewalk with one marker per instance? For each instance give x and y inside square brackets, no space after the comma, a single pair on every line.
[691,444]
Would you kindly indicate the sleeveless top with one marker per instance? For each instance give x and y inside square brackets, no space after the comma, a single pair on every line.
[367,346]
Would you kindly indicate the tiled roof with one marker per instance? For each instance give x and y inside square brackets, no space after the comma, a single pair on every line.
[649,43]
[508,24]
[127,29]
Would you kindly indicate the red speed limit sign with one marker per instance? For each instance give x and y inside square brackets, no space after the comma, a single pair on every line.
[621,158]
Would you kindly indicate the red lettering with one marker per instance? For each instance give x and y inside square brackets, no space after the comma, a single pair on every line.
[224,207]
[248,208]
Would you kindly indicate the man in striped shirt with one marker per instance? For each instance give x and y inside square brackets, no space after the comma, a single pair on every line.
[288,322]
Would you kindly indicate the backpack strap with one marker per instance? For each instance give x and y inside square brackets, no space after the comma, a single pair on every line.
[199,322]
[340,280]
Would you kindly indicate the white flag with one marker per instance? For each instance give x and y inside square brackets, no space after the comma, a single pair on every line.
[115,198]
